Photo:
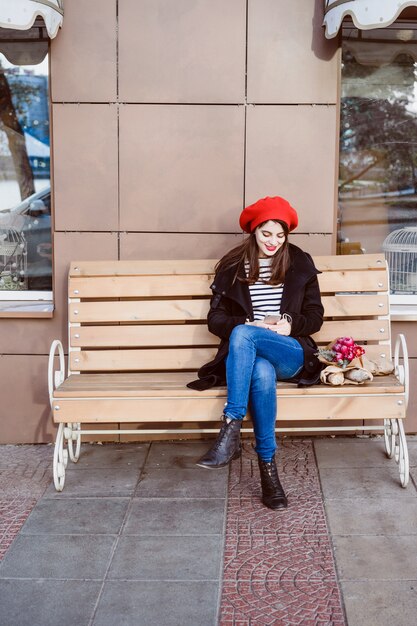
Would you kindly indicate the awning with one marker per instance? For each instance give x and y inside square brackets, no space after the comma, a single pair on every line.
[365,14]
[21,14]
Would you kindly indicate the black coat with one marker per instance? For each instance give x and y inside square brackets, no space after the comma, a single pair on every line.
[231,305]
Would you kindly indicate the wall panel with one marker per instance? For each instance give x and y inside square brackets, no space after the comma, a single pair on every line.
[85,156]
[25,415]
[181,168]
[291,152]
[83,55]
[182,51]
[289,59]
[176,245]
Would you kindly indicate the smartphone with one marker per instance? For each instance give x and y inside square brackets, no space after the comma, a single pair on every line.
[272,319]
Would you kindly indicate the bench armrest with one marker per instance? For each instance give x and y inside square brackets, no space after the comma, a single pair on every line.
[55,377]
[402,370]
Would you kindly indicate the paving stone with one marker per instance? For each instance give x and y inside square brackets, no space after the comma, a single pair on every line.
[380,603]
[96,482]
[183,454]
[25,472]
[278,565]
[64,556]
[350,452]
[306,603]
[25,481]
[412,451]
[13,456]
[304,516]
[167,516]
[164,603]
[296,468]
[267,558]
[13,514]
[376,557]
[114,456]
[167,558]
[364,482]
[47,602]
[382,516]
[182,482]
[76,516]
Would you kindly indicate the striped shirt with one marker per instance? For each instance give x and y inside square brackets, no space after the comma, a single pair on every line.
[266,299]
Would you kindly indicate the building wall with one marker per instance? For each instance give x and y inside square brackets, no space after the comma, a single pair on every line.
[168,116]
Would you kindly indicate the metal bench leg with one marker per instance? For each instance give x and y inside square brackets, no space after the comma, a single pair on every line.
[402,371]
[401,454]
[396,446]
[72,434]
[60,459]
[389,437]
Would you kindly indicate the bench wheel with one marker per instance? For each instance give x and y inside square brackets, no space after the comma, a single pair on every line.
[60,459]
[401,454]
[390,428]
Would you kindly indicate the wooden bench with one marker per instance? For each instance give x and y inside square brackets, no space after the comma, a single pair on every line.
[137,335]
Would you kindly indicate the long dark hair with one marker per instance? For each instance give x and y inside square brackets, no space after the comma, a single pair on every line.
[249,251]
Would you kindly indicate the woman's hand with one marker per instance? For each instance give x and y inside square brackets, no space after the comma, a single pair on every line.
[283,327]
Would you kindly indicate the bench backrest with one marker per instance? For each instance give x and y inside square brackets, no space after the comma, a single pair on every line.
[151,315]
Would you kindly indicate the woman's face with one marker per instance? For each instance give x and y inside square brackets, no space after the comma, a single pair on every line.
[269,236]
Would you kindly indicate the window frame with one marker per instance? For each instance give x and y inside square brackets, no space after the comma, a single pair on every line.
[30,297]
[403,307]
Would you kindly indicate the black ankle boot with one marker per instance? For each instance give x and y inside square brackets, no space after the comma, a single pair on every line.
[225,448]
[273,495]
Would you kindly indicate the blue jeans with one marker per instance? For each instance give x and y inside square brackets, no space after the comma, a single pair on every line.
[257,358]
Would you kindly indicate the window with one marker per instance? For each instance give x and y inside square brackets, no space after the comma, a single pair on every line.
[25,192]
[378,149]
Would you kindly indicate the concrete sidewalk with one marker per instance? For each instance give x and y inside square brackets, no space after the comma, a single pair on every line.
[373,525]
[141,536]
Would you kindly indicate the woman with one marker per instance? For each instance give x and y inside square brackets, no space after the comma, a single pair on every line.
[265,304]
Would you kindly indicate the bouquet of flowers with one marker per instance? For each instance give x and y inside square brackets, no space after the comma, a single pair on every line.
[343,358]
[341,352]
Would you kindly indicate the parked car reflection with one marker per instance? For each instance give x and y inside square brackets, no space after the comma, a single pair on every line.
[32,218]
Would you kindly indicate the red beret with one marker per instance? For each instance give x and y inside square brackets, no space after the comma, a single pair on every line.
[275,208]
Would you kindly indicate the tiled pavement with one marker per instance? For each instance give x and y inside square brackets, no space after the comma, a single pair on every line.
[278,566]
[139,533]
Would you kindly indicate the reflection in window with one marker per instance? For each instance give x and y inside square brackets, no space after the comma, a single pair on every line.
[25,194]
[378,145]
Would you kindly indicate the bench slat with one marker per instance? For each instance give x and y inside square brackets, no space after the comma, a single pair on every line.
[122,360]
[142,336]
[142,268]
[198,334]
[157,359]
[350,262]
[103,287]
[183,310]
[141,311]
[206,266]
[353,281]
[361,330]
[173,409]
[174,384]
[355,305]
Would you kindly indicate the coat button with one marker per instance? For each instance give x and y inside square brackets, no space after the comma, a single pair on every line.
[311,363]
[223,293]
[213,286]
